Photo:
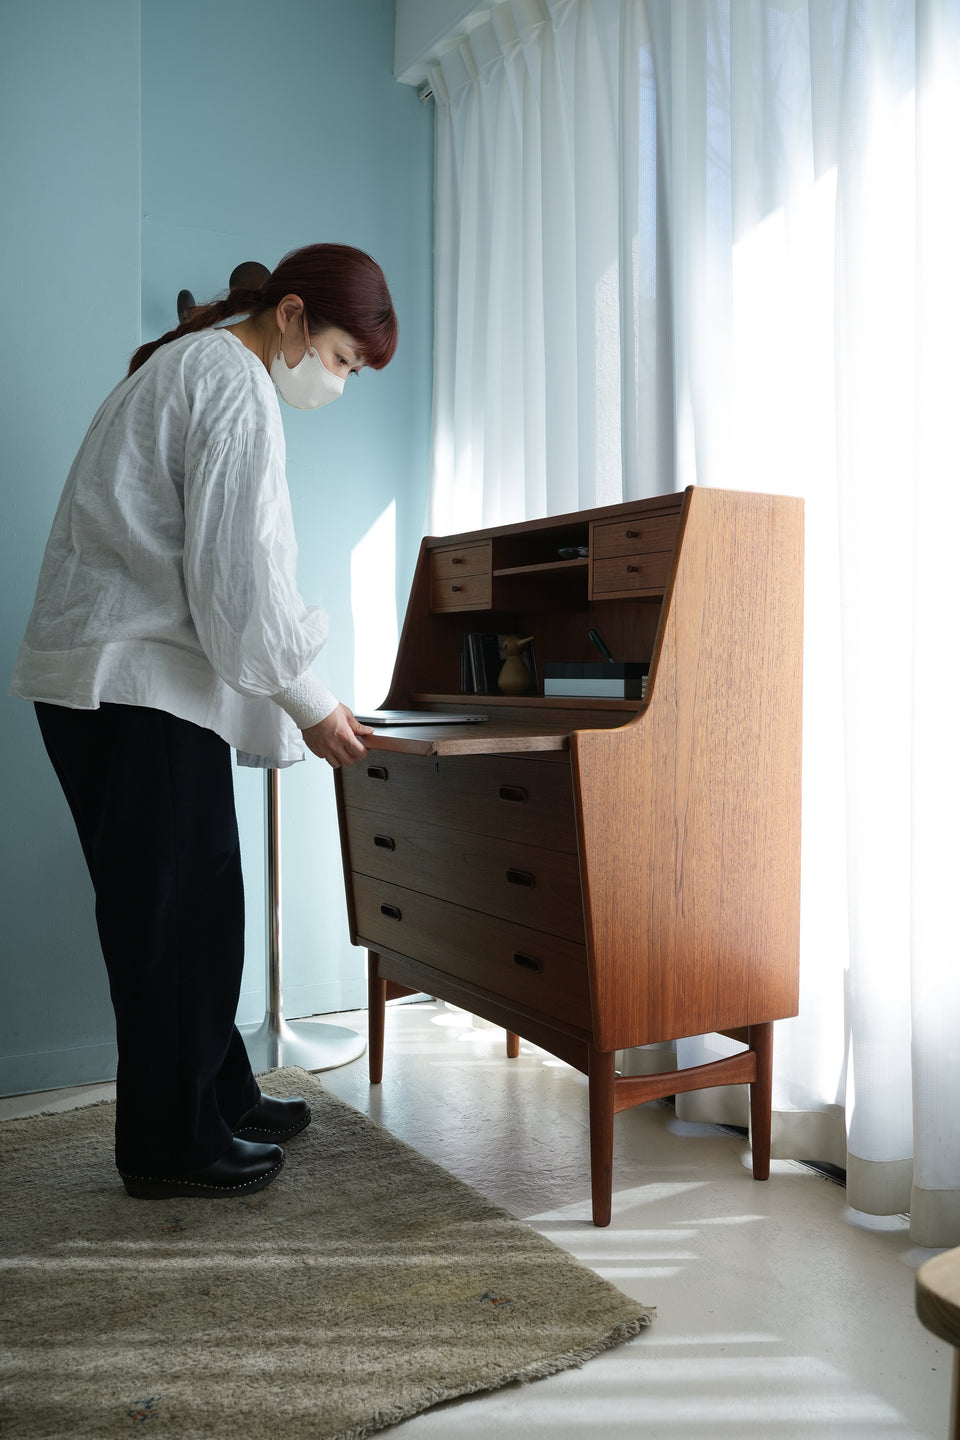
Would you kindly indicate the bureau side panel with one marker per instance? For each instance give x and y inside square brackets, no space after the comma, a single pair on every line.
[690,816]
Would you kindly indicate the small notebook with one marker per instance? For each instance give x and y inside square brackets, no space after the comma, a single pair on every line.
[418,717]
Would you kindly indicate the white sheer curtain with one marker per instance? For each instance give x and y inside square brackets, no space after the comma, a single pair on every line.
[719,243]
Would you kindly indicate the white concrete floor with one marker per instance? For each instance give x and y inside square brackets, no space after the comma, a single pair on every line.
[781,1312]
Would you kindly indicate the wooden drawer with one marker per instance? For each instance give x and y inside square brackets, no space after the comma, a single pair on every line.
[634,536]
[524,883]
[460,577]
[459,560]
[626,574]
[462,592]
[542,971]
[526,801]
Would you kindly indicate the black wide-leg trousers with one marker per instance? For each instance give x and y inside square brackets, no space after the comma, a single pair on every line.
[152,799]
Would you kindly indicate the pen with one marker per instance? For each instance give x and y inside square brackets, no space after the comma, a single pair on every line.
[601,647]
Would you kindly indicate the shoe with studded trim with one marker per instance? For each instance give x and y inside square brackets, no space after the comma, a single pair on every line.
[243,1168]
[274,1119]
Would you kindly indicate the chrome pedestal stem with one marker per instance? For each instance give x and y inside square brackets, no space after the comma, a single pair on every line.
[276,1042]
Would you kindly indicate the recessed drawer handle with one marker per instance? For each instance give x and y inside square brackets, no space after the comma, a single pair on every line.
[377,772]
[521,877]
[513,792]
[528,962]
[385,842]
[392,912]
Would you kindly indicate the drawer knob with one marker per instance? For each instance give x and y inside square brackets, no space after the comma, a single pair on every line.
[633,534]
[456,587]
[521,877]
[392,912]
[456,560]
[377,772]
[632,569]
[528,962]
[513,792]
[385,842]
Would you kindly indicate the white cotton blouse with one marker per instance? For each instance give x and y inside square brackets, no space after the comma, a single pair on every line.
[169,578]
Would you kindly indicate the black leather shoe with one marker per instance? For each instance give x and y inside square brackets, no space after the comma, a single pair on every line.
[243,1168]
[274,1119]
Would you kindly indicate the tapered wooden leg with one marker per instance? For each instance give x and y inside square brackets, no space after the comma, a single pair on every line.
[761,1098]
[376,1018]
[513,1045]
[600,1073]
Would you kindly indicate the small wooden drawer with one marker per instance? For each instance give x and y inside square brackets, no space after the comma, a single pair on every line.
[627,574]
[531,968]
[637,535]
[460,560]
[524,801]
[524,883]
[462,592]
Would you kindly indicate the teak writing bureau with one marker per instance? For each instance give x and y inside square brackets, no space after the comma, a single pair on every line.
[595,874]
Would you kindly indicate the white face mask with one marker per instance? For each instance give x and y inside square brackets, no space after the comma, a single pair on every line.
[309,384]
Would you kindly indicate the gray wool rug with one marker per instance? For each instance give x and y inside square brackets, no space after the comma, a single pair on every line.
[362,1287]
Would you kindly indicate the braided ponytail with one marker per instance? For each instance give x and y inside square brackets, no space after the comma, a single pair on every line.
[240,301]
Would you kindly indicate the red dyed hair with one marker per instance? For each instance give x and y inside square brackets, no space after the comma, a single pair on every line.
[339,286]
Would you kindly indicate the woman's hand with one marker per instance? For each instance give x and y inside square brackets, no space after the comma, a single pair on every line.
[335,738]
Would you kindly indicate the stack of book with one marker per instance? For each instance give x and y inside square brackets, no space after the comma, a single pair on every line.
[613,680]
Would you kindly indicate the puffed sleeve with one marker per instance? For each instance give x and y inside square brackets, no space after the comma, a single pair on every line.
[240,560]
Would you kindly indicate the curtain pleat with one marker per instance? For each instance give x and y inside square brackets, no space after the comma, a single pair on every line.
[686,241]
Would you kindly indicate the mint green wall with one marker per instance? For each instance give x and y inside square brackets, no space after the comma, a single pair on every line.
[175,138]
[70,267]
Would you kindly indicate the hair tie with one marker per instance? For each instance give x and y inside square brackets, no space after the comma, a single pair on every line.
[256,296]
